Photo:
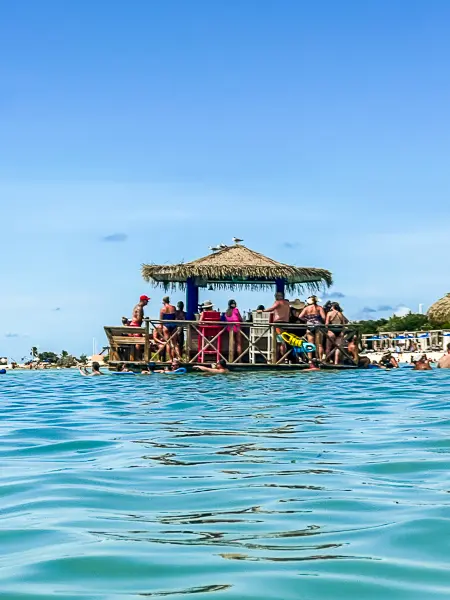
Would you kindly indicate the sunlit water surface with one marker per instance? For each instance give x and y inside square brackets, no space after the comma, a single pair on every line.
[306,486]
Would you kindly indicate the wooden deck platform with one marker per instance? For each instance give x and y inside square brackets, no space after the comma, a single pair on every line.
[260,347]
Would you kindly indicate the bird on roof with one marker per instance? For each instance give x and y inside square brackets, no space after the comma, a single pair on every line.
[237,240]
[214,248]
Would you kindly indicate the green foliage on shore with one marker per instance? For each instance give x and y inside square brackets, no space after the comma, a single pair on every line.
[62,360]
[410,322]
[50,357]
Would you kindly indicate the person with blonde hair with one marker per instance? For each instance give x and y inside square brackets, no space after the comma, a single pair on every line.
[314,315]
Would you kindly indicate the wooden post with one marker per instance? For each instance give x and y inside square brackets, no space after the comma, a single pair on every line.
[231,346]
[358,335]
[188,342]
[280,285]
[191,299]
[274,345]
[147,341]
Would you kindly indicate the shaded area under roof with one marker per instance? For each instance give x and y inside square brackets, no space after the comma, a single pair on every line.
[237,267]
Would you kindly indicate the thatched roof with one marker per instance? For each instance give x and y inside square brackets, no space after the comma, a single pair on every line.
[439,312]
[237,267]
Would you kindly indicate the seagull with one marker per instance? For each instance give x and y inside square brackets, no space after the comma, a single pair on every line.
[214,248]
[237,240]
[222,245]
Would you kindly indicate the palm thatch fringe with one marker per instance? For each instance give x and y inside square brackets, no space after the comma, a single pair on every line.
[439,312]
[237,267]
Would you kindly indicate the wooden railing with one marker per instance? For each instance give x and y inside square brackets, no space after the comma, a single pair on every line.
[260,343]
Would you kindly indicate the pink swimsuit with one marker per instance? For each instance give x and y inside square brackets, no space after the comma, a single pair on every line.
[235,317]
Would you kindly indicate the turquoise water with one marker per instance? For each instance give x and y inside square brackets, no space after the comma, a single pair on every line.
[307,486]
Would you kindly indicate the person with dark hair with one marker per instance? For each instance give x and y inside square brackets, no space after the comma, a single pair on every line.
[335,321]
[232,315]
[220,367]
[387,361]
[423,364]
[94,372]
[327,306]
[168,313]
[121,368]
[175,364]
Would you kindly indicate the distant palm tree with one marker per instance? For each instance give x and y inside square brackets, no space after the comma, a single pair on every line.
[34,352]
[64,354]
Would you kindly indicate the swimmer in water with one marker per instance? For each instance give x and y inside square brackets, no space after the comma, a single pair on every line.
[174,366]
[121,368]
[423,364]
[387,361]
[218,368]
[94,372]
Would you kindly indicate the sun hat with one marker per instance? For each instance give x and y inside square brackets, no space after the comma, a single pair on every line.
[297,304]
[207,304]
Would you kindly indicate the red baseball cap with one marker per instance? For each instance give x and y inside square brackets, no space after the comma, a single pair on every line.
[144,297]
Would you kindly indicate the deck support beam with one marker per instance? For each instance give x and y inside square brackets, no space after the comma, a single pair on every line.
[280,285]
[191,299]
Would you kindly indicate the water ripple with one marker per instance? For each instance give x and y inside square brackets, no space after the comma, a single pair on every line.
[248,487]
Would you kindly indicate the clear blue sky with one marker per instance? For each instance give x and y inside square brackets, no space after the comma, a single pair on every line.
[317,131]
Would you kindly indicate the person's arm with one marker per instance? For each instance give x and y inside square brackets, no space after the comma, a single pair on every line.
[238,315]
[272,308]
[83,372]
[328,318]
[205,369]
[303,314]
[322,313]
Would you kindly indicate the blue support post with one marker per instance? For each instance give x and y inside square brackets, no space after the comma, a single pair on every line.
[280,285]
[191,299]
